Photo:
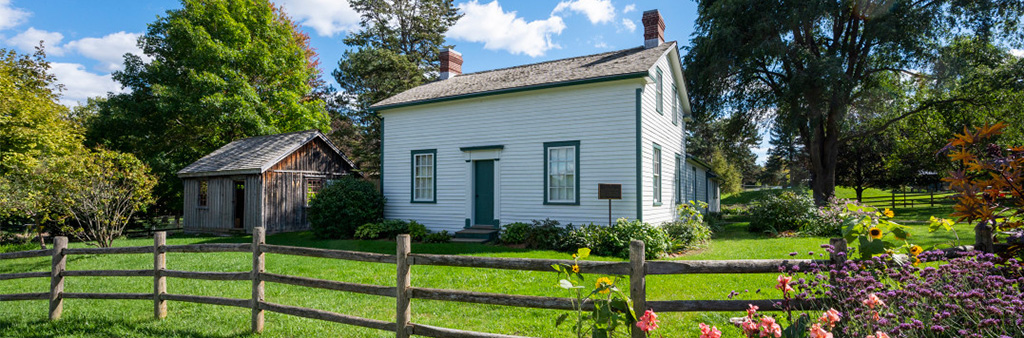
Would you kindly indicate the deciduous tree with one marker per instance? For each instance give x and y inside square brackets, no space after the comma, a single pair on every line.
[811,61]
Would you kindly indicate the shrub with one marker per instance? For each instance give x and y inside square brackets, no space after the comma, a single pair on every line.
[391,228]
[782,211]
[514,233]
[438,237]
[689,231]
[614,241]
[828,221]
[344,205]
[546,234]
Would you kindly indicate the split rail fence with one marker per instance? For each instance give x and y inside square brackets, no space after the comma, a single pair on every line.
[637,268]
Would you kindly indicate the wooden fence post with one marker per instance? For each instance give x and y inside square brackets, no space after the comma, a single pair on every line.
[637,282]
[403,313]
[983,238]
[159,280]
[57,265]
[931,201]
[894,199]
[259,237]
[839,250]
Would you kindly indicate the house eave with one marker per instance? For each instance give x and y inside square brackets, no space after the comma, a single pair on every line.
[220,173]
[513,90]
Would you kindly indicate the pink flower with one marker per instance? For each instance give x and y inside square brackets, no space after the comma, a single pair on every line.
[830,317]
[648,322]
[878,334]
[752,310]
[784,284]
[817,332]
[709,332]
[872,301]
[749,327]
[768,327]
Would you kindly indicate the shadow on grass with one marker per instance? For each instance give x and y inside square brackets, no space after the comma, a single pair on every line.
[306,239]
[101,327]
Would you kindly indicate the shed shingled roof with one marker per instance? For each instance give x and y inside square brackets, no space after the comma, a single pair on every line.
[253,155]
[633,61]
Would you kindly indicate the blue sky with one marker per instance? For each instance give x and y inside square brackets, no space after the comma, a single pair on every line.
[85,40]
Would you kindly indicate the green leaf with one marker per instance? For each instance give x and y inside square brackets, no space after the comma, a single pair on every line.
[582,253]
[561,319]
[565,284]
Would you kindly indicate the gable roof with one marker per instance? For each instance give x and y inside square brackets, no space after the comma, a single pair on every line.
[254,155]
[621,64]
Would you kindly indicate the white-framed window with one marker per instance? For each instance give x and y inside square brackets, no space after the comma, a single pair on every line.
[313,187]
[675,105]
[424,176]
[561,172]
[661,90]
[656,169]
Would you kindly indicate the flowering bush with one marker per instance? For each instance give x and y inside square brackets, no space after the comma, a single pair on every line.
[612,307]
[828,221]
[873,233]
[781,211]
[977,295]
[689,231]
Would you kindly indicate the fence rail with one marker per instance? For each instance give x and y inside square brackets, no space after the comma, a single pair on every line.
[637,268]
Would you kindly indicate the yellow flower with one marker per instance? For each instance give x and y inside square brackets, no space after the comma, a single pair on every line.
[888,213]
[575,268]
[573,255]
[916,261]
[875,233]
[916,250]
[606,281]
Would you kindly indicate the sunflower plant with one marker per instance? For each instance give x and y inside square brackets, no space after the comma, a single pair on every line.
[872,232]
[612,308]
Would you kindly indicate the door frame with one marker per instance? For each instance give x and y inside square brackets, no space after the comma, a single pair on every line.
[470,154]
[236,206]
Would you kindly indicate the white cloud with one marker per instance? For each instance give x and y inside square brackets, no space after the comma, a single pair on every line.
[500,30]
[597,11]
[10,16]
[1017,52]
[108,50]
[80,84]
[326,17]
[628,8]
[601,45]
[28,40]
[629,24]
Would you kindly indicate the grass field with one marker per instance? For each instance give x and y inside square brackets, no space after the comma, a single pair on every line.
[124,318]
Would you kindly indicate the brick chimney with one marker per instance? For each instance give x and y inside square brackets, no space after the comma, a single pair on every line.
[451,63]
[654,29]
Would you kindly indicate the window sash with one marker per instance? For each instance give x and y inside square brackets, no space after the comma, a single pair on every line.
[657,175]
[661,95]
[561,163]
[423,177]
[313,186]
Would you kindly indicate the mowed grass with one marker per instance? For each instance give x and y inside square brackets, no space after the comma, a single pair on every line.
[132,318]
[118,318]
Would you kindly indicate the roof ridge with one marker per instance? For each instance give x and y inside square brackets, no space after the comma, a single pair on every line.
[551,61]
[281,134]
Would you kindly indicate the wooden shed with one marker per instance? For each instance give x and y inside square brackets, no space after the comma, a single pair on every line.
[260,181]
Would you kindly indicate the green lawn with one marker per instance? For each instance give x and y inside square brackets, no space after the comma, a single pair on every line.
[115,318]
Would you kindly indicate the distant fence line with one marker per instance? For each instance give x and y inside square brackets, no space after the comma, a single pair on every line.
[637,268]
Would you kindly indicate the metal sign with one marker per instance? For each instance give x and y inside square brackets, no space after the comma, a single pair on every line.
[609,191]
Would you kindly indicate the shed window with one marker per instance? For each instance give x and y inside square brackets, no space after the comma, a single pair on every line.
[656,168]
[661,92]
[561,172]
[313,186]
[424,183]
[202,193]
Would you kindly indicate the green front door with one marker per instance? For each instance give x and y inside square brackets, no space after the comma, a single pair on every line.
[483,192]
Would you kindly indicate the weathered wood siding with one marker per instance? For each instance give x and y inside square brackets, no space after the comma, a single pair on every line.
[217,215]
[285,189]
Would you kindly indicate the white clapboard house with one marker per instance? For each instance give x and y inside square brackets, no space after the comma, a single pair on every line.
[535,141]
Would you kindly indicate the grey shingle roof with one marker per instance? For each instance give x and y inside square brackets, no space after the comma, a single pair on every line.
[252,155]
[604,65]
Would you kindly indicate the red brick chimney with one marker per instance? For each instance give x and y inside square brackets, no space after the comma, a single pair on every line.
[451,63]
[654,29]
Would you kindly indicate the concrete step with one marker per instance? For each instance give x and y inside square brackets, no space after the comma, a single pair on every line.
[469,240]
[484,227]
[483,233]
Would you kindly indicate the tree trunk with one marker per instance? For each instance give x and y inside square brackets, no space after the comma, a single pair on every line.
[823,149]
[860,194]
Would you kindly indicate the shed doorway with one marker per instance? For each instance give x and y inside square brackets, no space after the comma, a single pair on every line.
[239,205]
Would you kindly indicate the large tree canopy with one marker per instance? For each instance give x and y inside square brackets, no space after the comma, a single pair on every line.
[396,49]
[812,62]
[221,71]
